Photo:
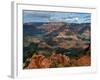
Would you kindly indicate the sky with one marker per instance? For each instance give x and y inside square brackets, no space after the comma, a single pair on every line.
[51,16]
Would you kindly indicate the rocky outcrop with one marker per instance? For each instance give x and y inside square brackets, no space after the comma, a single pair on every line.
[55,60]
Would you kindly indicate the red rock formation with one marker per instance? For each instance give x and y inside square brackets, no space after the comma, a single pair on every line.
[84,61]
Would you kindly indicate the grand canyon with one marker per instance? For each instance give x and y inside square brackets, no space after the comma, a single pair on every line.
[56,44]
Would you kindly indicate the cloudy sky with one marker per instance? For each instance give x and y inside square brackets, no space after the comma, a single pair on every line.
[48,16]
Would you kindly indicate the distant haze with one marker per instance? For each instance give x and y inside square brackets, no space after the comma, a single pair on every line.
[51,16]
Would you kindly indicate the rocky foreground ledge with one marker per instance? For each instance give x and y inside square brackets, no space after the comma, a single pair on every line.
[56,61]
